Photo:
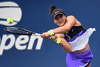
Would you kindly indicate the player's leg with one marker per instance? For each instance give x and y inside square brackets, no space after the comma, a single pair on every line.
[89,64]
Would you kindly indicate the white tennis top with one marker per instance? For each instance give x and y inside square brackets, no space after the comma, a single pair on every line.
[79,41]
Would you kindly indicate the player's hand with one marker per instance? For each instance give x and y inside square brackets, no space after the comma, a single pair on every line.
[45,35]
[53,38]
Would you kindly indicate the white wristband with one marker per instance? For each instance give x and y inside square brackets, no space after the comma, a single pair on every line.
[50,32]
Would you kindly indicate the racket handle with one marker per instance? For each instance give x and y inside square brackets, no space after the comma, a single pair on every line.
[36,34]
[48,37]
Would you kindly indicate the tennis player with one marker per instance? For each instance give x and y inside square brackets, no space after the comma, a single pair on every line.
[72,37]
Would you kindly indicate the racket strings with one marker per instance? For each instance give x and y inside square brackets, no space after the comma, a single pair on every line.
[17,30]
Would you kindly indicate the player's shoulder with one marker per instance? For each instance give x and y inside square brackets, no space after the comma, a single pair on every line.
[70,16]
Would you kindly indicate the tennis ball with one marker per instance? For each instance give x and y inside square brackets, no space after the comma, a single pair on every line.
[10,20]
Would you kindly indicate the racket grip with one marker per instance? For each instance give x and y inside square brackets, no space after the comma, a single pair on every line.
[40,35]
[50,37]
[36,34]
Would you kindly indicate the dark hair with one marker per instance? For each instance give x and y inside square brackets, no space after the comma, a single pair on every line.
[52,7]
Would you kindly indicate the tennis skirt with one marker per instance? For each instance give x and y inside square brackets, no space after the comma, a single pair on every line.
[81,59]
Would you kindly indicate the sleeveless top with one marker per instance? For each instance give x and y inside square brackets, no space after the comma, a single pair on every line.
[73,31]
[78,37]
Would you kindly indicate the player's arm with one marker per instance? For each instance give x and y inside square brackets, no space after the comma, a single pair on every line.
[63,43]
[71,20]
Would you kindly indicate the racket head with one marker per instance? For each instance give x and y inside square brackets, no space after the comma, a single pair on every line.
[18,31]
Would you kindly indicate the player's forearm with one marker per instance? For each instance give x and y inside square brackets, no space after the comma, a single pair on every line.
[62,42]
[62,29]
[65,45]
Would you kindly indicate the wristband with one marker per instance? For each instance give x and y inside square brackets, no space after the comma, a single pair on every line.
[58,40]
[50,32]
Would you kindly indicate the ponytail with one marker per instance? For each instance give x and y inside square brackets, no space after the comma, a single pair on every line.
[52,7]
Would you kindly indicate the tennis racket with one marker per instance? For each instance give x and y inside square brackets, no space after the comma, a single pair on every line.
[20,31]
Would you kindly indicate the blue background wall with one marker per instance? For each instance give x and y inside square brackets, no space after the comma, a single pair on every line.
[35,18]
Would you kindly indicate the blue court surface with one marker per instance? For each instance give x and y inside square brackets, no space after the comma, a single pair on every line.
[33,15]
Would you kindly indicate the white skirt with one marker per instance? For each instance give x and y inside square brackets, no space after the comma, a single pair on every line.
[81,39]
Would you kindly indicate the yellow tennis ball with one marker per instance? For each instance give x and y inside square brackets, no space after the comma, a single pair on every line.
[10,20]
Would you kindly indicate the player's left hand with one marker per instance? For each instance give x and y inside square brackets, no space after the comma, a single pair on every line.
[53,38]
[45,35]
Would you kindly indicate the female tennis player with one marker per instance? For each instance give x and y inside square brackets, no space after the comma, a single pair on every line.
[72,37]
